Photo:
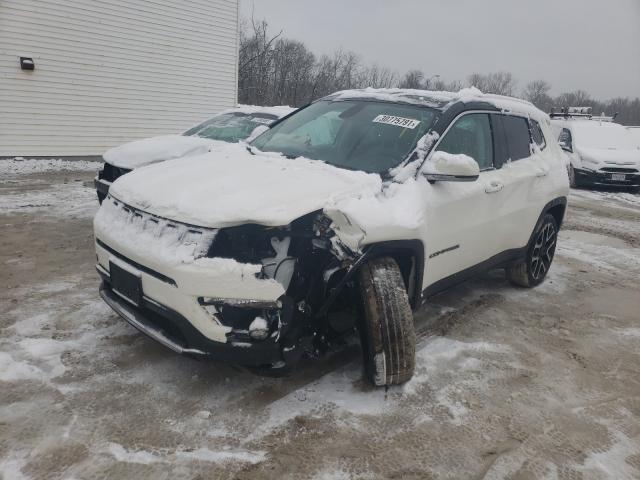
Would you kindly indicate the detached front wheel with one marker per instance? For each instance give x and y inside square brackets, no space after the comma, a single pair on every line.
[389,340]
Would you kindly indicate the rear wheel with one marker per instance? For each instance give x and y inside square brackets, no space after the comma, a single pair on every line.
[388,334]
[533,270]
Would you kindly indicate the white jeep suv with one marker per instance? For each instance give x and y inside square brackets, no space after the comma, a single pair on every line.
[345,216]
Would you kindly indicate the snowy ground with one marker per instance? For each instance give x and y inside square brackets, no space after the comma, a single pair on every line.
[509,384]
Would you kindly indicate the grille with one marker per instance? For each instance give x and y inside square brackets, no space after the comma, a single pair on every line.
[619,170]
[111,173]
[142,231]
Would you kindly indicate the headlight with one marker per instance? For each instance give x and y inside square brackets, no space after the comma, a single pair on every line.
[590,161]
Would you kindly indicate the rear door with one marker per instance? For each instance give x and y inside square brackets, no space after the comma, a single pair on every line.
[522,175]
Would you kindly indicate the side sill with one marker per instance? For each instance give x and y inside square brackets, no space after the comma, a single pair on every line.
[501,259]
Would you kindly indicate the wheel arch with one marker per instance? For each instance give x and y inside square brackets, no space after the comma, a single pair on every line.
[556,208]
[409,255]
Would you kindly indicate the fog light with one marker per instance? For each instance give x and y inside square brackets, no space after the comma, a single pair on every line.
[259,329]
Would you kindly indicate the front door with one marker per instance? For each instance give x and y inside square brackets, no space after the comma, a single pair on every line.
[464,218]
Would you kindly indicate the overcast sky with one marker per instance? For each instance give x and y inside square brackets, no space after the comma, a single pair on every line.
[592,45]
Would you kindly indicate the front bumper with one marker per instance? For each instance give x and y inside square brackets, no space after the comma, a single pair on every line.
[175,332]
[606,178]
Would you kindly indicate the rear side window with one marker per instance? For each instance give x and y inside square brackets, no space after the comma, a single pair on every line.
[537,135]
[516,130]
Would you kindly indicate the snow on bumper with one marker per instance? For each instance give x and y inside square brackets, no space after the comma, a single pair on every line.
[170,260]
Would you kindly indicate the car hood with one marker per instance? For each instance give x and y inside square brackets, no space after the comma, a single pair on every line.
[610,156]
[156,149]
[231,186]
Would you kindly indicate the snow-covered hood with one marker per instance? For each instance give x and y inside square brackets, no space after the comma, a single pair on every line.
[231,186]
[157,149]
[602,157]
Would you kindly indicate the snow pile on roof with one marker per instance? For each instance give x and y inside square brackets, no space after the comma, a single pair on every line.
[17,166]
[278,110]
[440,99]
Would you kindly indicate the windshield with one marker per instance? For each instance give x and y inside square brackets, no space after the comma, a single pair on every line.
[594,134]
[354,134]
[231,127]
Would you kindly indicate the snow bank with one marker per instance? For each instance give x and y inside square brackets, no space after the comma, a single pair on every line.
[58,200]
[202,454]
[14,167]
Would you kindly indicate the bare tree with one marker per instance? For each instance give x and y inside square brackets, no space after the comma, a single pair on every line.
[412,79]
[275,70]
[537,92]
[501,83]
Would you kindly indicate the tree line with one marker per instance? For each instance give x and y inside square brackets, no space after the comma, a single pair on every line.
[274,70]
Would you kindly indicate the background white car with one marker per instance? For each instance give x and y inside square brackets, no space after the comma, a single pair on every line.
[601,153]
[635,133]
[229,126]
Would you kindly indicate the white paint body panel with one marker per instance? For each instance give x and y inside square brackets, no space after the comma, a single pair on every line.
[231,186]
[109,73]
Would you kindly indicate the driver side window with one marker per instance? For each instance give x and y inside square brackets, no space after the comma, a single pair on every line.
[471,135]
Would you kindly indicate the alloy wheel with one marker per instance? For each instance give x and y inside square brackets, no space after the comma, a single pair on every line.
[543,250]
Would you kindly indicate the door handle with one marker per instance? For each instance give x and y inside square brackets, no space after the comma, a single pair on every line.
[494,187]
[543,172]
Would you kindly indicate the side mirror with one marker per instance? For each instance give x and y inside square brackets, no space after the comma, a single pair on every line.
[446,167]
[566,147]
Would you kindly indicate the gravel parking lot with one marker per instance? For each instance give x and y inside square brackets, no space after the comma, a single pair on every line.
[510,383]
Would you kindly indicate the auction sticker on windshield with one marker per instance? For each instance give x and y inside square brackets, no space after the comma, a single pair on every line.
[397,121]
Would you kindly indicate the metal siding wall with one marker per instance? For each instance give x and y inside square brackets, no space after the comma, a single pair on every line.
[111,71]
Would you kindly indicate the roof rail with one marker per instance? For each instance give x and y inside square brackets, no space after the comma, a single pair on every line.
[571,112]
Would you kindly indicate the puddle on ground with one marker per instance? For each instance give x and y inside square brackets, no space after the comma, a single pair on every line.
[594,239]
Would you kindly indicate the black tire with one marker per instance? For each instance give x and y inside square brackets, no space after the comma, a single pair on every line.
[101,197]
[533,270]
[387,331]
[573,181]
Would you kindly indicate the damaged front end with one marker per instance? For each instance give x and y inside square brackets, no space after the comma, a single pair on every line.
[315,269]
[253,295]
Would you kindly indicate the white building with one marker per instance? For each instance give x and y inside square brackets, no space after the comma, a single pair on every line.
[110,71]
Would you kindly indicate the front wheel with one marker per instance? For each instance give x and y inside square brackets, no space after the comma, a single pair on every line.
[533,270]
[389,340]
